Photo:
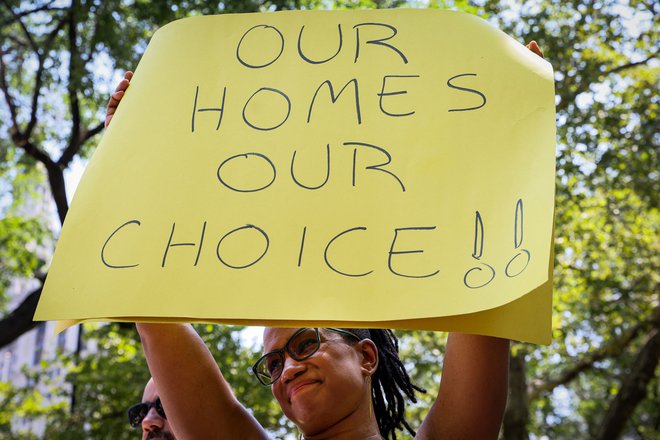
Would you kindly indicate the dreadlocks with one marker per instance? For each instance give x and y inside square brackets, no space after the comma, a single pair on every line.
[389,383]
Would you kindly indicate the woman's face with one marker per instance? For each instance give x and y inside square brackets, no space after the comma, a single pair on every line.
[325,388]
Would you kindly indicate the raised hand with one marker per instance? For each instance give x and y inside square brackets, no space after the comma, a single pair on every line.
[116,97]
[534,47]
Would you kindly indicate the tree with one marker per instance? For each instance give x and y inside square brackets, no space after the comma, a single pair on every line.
[598,379]
[54,96]
[606,279]
[112,378]
[55,78]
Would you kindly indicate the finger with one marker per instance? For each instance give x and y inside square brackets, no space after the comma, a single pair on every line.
[112,107]
[125,82]
[534,47]
[114,100]
[117,96]
[123,85]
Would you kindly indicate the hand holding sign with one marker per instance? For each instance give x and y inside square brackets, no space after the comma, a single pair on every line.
[116,97]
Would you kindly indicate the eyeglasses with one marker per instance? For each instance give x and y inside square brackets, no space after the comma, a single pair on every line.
[300,346]
[138,412]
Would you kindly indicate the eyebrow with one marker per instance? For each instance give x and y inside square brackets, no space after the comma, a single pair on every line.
[280,345]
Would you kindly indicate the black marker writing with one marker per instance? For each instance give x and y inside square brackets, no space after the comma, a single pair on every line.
[327,248]
[465,89]
[471,279]
[309,60]
[518,225]
[393,252]
[379,42]
[170,245]
[377,167]
[117,266]
[247,228]
[276,92]
[327,171]
[522,254]
[273,32]
[302,246]
[383,94]
[334,97]
[247,156]
[220,109]
[478,237]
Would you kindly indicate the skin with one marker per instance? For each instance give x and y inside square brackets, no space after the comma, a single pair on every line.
[327,395]
[534,47]
[154,427]
[473,390]
[116,97]
[335,405]
[199,401]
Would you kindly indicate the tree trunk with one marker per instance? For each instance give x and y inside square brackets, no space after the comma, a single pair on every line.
[633,389]
[517,408]
[20,320]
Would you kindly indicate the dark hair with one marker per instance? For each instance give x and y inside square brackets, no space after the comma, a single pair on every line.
[389,383]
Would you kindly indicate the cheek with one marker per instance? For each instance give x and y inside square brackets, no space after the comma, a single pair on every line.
[343,366]
[285,406]
[278,392]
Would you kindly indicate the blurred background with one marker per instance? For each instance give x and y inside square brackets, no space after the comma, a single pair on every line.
[59,62]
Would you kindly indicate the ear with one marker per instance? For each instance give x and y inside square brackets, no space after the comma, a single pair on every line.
[369,353]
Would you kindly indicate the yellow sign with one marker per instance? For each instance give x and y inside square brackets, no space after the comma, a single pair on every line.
[365,168]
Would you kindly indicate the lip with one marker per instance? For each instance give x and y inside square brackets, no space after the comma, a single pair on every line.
[300,386]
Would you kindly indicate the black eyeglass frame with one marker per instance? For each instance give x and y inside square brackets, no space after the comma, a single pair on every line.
[286,349]
[155,404]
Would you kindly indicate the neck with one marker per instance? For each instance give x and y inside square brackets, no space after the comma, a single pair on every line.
[353,435]
[359,425]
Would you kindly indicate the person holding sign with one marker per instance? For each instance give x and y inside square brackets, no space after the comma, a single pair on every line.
[332,383]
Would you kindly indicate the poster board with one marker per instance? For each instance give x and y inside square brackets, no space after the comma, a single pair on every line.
[389,168]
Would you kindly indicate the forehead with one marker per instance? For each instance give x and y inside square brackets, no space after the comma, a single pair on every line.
[275,337]
[150,392]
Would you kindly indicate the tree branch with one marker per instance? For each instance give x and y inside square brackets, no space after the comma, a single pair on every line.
[74,81]
[18,43]
[612,349]
[5,91]
[584,85]
[633,389]
[58,189]
[54,171]
[630,65]
[22,14]
[85,135]
[87,56]
[20,320]
[38,81]
[32,150]
[17,18]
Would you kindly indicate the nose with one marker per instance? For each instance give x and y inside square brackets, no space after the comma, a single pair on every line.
[152,421]
[292,369]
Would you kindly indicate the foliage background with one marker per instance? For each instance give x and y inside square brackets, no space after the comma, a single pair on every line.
[59,60]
